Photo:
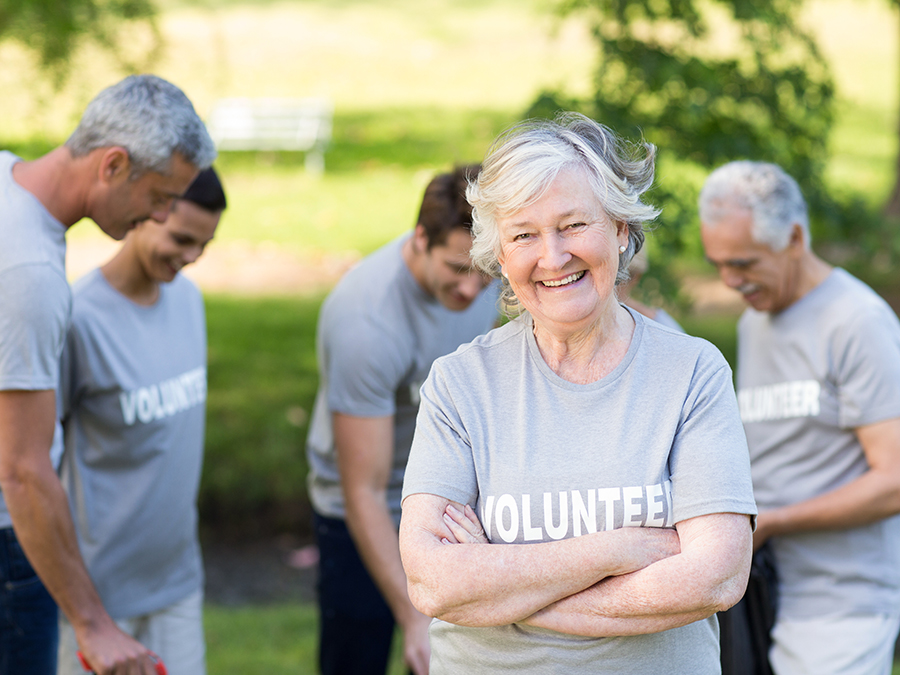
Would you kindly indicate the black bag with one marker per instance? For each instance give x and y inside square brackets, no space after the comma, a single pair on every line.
[745,628]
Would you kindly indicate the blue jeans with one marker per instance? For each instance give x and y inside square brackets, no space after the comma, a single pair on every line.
[29,630]
[355,623]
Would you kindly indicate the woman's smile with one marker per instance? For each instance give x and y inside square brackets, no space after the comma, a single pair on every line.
[565,281]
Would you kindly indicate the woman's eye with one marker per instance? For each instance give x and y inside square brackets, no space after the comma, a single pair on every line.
[521,237]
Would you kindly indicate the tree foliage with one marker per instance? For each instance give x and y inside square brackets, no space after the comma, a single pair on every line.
[53,29]
[710,81]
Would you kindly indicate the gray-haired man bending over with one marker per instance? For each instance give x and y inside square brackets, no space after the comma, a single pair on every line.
[138,146]
[818,378]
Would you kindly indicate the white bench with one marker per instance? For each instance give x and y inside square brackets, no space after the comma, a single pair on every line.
[299,124]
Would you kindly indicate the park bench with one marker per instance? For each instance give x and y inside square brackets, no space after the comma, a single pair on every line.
[296,124]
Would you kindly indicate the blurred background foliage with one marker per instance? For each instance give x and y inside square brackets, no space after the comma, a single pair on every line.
[54,29]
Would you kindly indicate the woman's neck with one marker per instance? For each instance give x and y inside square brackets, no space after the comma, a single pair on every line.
[590,353]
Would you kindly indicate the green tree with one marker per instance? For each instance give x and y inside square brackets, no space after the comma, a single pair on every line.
[709,82]
[54,28]
[892,207]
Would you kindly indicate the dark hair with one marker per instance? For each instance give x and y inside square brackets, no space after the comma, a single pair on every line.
[444,205]
[206,191]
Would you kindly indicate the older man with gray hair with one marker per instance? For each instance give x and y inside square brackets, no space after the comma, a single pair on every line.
[138,146]
[818,380]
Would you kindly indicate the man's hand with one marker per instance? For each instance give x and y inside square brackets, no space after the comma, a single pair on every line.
[416,648]
[159,666]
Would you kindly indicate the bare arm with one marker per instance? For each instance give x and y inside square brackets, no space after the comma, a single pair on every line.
[43,525]
[873,496]
[709,575]
[479,585]
[365,449]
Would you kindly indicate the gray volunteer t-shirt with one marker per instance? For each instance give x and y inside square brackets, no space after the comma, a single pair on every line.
[807,378]
[134,399]
[35,300]
[655,442]
[378,335]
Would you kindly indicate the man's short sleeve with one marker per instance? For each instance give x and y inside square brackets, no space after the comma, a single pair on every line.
[866,355]
[35,305]
[365,367]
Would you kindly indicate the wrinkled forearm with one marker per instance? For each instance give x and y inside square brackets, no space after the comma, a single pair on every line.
[708,577]
[487,585]
[512,582]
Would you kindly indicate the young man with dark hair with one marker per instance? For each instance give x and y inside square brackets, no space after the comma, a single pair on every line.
[380,329]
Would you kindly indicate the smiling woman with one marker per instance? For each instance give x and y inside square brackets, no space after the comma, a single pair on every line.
[546,523]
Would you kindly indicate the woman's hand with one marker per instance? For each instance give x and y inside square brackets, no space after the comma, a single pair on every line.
[464,526]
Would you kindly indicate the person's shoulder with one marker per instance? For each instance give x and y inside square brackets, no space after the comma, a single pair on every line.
[843,303]
[183,287]
[92,295]
[377,291]
[676,347]
[488,346]
[7,159]
[854,292]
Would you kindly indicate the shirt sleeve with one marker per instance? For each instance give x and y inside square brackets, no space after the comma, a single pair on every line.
[710,462]
[440,461]
[35,304]
[365,366]
[866,358]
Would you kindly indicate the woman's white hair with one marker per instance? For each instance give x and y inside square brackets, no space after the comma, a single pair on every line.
[149,117]
[771,195]
[526,159]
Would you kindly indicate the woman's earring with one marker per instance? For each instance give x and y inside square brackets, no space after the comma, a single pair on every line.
[622,248]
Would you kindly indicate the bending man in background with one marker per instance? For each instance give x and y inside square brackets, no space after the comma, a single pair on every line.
[380,329]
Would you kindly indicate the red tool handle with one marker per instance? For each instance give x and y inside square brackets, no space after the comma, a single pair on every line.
[160,666]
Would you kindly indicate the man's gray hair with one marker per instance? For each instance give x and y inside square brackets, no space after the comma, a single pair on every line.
[526,159]
[771,195]
[149,117]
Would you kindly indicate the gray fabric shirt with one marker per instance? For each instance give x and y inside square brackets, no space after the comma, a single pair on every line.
[133,393]
[655,442]
[378,334]
[35,300]
[807,378]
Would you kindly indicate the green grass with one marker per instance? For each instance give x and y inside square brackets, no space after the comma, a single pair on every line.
[268,640]
[272,640]
[262,383]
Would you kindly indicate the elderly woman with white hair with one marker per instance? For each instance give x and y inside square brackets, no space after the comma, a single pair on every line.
[578,494]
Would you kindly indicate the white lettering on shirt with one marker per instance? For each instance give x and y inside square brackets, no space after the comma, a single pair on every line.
[512,519]
[165,399]
[780,401]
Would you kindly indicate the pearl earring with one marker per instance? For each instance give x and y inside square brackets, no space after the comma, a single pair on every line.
[622,248]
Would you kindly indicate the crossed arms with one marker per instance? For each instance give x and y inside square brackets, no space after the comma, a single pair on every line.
[628,581]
